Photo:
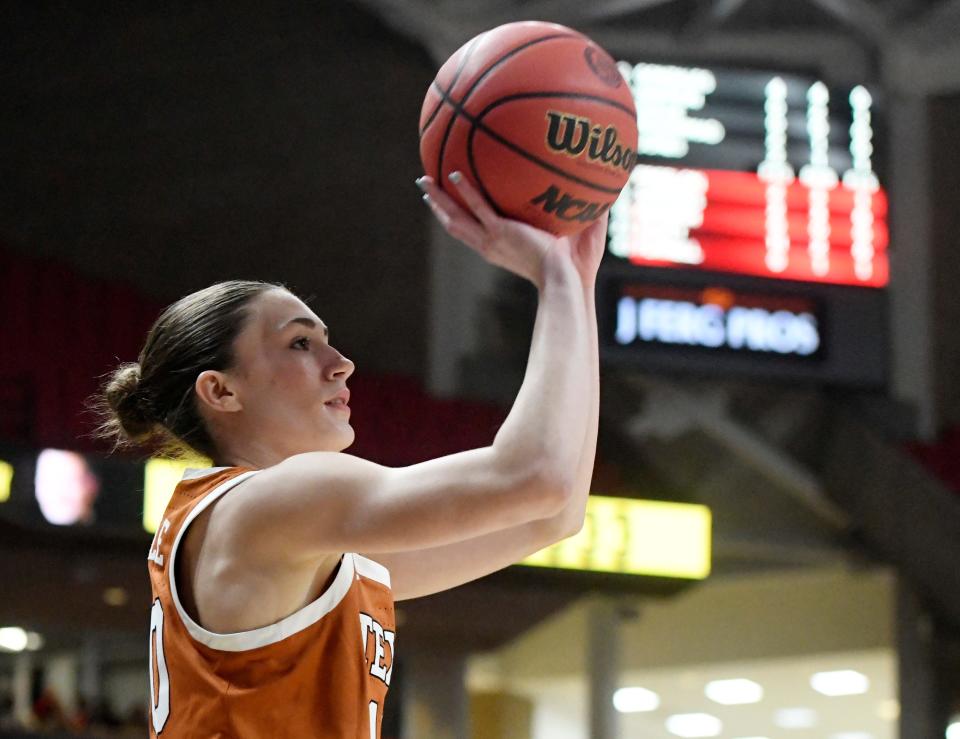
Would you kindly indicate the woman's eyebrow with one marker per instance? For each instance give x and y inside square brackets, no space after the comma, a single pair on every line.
[308,322]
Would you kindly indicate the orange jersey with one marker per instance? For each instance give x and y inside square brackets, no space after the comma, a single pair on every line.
[322,671]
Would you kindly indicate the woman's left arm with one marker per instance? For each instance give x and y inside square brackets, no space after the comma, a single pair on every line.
[422,572]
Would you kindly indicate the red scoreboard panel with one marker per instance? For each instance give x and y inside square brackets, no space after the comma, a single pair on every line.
[752,236]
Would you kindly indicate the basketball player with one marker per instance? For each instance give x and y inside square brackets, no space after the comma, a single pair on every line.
[274,573]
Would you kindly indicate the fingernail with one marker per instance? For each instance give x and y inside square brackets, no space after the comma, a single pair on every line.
[427,200]
[420,182]
[455,177]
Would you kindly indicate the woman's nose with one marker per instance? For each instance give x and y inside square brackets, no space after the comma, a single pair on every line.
[339,367]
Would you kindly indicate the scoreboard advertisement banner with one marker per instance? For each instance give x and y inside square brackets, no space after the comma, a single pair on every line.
[752,235]
[709,324]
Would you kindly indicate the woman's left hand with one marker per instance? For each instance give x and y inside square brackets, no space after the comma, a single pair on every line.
[483,230]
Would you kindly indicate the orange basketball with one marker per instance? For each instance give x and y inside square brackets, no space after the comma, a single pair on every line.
[538,117]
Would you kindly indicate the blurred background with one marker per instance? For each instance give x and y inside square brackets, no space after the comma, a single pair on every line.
[772,549]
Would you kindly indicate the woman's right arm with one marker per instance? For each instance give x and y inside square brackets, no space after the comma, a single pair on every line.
[323,502]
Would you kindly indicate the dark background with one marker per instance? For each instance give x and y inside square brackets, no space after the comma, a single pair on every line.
[172,147]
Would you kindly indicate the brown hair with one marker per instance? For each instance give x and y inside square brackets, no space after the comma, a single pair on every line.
[151,403]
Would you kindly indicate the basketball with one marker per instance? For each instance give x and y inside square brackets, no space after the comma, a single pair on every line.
[538,118]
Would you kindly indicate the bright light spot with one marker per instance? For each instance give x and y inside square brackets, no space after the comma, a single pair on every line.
[115,596]
[694,725]
[6,480]
[795,718]
[65,486]
[840,682]
[34,641]
[665,96]
[953,730]
[635,700]
[641,537]
[160,477]
[13,639]
[889,710]
[734,692]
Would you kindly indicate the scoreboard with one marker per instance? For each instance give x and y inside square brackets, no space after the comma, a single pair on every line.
[752,235]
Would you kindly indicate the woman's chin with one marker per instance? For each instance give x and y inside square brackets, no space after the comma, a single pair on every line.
[348,437]
[336,440]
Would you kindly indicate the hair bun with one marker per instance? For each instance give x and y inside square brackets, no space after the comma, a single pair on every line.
[126,400]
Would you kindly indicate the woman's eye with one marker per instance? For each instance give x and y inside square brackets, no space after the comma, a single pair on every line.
[302,341]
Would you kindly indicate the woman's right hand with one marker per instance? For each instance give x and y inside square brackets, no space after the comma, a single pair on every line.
[513,245]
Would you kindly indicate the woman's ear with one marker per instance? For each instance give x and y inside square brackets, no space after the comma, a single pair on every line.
[215,391]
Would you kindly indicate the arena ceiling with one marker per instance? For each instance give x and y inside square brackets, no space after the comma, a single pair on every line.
[805,31]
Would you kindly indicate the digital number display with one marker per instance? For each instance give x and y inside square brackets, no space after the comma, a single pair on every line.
[636,537]
[762,174]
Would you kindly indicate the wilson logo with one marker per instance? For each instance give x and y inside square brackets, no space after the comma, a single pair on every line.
[576,136]
[603,66]
[564,206]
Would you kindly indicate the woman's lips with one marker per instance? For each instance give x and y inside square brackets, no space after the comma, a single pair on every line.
[340,401]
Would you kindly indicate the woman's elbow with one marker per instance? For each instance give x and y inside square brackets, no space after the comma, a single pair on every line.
[564,500]
[573,524]
[543,489]
[553,492]
[562,526]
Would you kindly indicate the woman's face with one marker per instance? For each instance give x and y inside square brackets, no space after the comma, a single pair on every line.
[290,382]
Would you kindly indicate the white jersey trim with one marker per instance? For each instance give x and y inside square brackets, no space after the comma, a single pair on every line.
[241,641]
[192,473]
[372,570]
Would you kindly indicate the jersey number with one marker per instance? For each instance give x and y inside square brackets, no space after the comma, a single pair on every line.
[159,685]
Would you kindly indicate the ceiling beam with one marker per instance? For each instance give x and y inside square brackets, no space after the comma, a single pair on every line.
[839,58]
[712,16]
[937,27]
[613,9]
[862,17]
[442,27]
[670,409]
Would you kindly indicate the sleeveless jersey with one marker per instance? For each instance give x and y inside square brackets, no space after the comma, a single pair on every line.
[322,671]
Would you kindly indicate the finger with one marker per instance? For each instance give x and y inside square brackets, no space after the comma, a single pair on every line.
[429,186]
[441,198]
[457,215]
[477,203]
[597,229]
[457,222]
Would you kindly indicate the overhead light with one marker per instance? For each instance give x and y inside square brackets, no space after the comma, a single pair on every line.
[889,709]
[840,682]
[13,639]
[115,596]
[795,718]
[953,730]
[734,692]
[34,641]
[635,700]
[690,725]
